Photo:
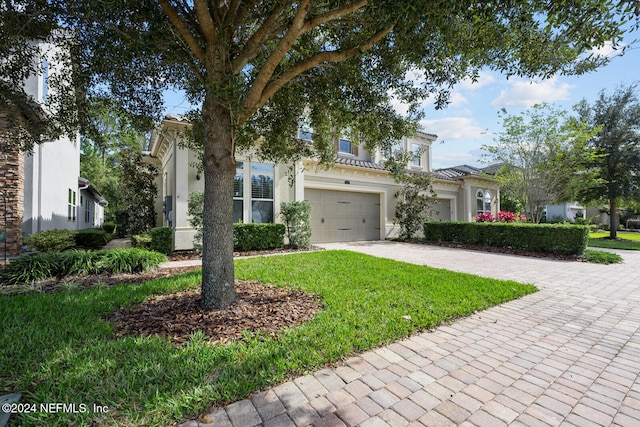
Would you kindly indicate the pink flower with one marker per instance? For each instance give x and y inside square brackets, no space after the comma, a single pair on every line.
[506,216]
[484,217]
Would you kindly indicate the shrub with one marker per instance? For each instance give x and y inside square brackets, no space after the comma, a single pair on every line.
[51,240]
[77,262]
[91,238]
[246,237]
[110,227]
[141,241]
[484,217]
[30,268]
[161,240]
[548,238]
[132,260]
[296,219]
[256,237]
[503,216]
[195,210]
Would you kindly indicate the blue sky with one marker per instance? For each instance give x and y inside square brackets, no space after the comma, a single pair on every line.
[471,119]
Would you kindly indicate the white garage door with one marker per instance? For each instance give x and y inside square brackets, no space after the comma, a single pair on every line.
[343,216]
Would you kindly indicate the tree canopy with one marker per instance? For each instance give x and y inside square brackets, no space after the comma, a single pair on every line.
[617,149]
[111,158]
[542,155]
[261,68]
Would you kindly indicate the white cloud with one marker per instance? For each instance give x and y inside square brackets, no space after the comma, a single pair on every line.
[484,79]
[457,99]
[453,128]
[608,50]
[452,158]
[400,107]
[525,93]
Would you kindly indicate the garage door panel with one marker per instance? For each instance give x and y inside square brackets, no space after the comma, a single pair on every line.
[339,216]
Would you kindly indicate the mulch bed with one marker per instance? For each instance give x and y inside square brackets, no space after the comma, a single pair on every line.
[257,308]
[191,255]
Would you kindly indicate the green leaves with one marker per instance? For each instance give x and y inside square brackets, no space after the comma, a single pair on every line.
[616,146]
[543,157]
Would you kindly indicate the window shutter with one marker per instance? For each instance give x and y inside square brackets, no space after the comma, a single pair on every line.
[354,148]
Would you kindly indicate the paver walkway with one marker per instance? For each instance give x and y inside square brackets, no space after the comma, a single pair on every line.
[567,355]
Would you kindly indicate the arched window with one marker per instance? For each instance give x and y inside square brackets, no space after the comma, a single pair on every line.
[483,201]
[487,201]
[479,202]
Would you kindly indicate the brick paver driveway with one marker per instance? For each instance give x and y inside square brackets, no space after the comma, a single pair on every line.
[567,355]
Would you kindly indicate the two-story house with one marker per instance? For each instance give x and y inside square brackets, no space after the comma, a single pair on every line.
[42,189]
[351,201]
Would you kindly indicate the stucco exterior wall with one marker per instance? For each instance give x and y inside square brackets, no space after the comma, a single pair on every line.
[51,170]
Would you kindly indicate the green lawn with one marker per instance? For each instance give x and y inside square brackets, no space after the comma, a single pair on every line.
[629,241]
[57,347]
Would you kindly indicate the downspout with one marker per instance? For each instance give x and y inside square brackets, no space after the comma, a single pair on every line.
[80,198]
[39,222]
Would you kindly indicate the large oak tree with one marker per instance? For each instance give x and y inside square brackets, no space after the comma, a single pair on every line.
[616,147]
[260,68]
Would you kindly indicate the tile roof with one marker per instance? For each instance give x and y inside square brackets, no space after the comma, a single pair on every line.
[360,163]
[456,172]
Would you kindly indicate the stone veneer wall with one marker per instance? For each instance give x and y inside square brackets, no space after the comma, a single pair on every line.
[12,187]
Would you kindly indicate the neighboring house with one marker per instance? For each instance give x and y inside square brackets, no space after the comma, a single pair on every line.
[43,189]
[568,211]
[353,200]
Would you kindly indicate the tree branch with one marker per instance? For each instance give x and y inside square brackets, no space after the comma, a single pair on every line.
[183,30]
[206,22]
[285,43]
[321,58]
[258,38]
[241,9]
[334,14]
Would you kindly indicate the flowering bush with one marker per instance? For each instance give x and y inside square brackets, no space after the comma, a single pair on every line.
[503,216]
[506,216]
[484,217]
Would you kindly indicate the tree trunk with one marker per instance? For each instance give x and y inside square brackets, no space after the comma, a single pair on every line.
[613,219]
[217,242]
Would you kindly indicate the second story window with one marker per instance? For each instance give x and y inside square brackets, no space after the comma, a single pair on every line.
[344,146]
[305,133]
[417,154]
[45,79]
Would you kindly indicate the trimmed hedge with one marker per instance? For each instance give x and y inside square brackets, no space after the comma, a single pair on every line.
[30,268]
[257,237]
[161,240]
[91,238]
[51,240]
[548,238]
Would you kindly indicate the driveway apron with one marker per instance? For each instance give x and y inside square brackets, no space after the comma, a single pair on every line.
[567,355]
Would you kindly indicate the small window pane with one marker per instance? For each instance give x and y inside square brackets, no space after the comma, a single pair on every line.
[487,201]
[417,161]
[345,146]
[238,206]
[238,185]
[479,207]
[262,211]
[261,167]
[305,135]
[239,165]
[261,187]
[45,79]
